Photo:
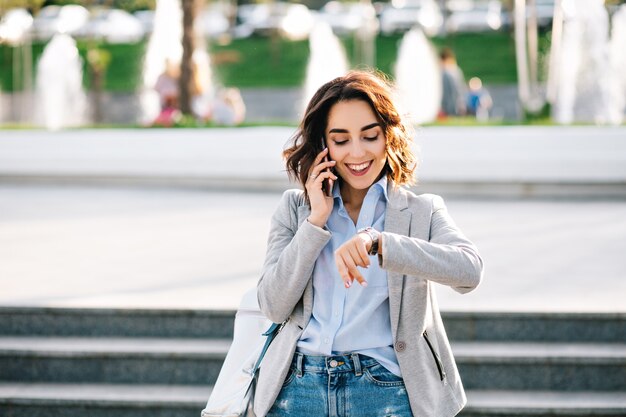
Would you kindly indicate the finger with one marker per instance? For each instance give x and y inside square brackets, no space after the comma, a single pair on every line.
[322,167]
[355,255]
[343,271]
[320,156]
[354,272]
[316,182]
[317,186]
[359,253]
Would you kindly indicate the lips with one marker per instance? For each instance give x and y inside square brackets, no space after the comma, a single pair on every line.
[359,169]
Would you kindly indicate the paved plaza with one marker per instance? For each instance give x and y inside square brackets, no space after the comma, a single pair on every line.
[192,248]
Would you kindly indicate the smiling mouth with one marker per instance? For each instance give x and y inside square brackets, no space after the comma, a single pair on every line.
[359,169]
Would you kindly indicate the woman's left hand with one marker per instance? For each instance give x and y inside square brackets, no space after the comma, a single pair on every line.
[352,254]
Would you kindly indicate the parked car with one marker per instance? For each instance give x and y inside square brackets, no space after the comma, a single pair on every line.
[14,25]
[291,20]
[345,18]
[59,19]
[112,26]
[474,16]
[401,16]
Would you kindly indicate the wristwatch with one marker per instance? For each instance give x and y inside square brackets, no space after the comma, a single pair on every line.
[374,235]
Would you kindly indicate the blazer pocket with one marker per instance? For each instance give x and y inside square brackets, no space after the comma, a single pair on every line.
[438,362]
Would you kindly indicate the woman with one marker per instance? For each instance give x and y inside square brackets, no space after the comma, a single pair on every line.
[351,273]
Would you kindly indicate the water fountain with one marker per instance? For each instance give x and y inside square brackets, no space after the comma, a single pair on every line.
[418,77]
[617,50]
[327,59]
[61,100]
[585,71]
[165,44]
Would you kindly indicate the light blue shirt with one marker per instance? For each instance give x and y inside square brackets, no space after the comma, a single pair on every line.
[354,319]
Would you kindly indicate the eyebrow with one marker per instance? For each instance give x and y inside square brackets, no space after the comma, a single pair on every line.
[337,130]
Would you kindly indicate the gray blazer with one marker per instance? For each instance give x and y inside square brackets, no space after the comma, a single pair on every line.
[421,245]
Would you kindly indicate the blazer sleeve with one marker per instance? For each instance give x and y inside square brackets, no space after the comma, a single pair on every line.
[289,260]
[447,258]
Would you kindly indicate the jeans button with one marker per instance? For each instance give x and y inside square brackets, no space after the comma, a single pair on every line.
[333,363]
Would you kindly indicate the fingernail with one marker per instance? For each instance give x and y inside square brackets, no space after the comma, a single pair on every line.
[347,284]
[364,284]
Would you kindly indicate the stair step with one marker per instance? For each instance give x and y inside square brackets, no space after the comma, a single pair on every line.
[42,321]
[528,326]
[112,346]
[101,400]
[111,360]
[121,394]
[499,403]
[541,366]
[614,353]
[483,365]
[461,326]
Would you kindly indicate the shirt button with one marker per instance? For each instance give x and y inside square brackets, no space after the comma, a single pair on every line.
[333,363]
[327,340]
[400,346]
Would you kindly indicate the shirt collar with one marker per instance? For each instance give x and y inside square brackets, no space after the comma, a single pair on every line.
[379,186]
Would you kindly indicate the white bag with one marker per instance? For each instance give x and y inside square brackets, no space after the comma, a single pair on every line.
[233,392]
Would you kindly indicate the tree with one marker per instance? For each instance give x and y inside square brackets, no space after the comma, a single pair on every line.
[187,68]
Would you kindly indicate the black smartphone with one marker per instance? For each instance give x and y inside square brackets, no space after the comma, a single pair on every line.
[327,184]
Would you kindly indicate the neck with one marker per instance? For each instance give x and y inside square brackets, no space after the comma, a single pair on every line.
[351,196]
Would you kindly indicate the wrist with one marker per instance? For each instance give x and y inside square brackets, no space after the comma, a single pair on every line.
[316,222]
[374,237]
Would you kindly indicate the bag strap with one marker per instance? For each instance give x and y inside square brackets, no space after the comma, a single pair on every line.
[270,335]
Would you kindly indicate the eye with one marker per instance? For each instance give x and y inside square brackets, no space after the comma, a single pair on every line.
[340,142]
[371,138]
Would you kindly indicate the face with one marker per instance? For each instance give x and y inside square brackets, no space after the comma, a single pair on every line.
[356,142]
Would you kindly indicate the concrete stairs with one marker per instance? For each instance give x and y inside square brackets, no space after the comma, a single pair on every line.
[135,363]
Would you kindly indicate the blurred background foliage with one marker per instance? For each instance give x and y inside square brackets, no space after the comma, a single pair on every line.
[256,61]
[247,62]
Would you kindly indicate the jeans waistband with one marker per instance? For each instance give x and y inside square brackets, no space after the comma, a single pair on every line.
[349,362]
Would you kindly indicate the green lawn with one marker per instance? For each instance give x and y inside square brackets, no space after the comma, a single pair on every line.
[263,62]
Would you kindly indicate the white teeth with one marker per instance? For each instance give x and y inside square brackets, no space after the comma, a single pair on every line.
[359,167]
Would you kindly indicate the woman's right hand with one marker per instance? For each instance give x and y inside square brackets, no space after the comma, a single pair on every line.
[321,205]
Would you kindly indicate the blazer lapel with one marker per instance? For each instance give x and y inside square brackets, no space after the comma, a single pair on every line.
[398,221]
[307,297]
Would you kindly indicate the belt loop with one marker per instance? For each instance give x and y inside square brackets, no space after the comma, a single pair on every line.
[357,364]
[299,359]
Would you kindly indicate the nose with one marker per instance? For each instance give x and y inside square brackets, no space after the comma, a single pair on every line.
[357,150]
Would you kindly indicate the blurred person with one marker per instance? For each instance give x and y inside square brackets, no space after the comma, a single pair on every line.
[167,84]
[479,100]
[228,107]
[453,85]
[350,267]
[202,89]
[170,113]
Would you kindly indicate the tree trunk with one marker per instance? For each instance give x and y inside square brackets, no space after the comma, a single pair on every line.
[187,70]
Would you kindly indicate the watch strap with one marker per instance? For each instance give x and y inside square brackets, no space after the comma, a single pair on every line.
[374,235]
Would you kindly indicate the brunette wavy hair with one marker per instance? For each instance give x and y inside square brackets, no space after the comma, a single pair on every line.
[374,89]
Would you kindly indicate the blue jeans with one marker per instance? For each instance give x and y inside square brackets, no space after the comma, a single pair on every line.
[350,385]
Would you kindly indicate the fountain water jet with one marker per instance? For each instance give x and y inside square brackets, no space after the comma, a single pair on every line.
[617,48]
[60,98]
[165,44]
[582,70]
[418,77]
[327,60]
